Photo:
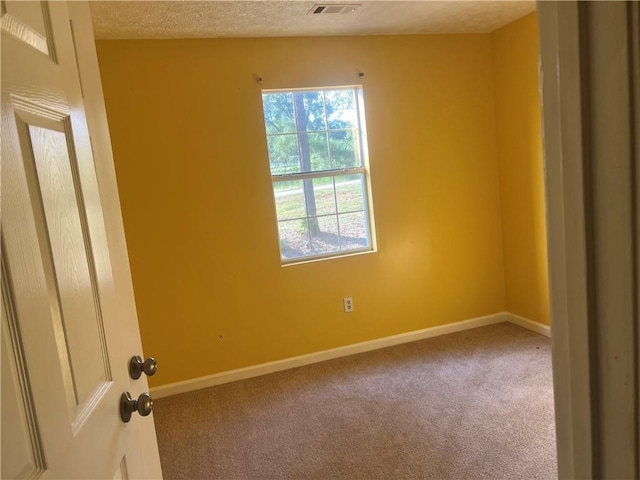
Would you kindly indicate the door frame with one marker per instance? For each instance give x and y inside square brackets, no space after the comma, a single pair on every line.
[590,81]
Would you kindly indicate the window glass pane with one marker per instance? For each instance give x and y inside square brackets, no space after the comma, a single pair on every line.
[341,108]
[324,196]
[317,131]
[294,238]
[350,193]
[324,235]
[278,113]
[315,152]
[344,149]
[353,231]
[309,111]
[289,200]
[283,154]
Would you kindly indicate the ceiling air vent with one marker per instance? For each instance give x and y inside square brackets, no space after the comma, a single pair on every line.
[320,8]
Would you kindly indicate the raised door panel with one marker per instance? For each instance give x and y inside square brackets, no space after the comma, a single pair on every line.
[29,22]
[68,260]
[21,443]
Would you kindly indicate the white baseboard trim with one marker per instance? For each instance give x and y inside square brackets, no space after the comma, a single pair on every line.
[529,324]
[293,362]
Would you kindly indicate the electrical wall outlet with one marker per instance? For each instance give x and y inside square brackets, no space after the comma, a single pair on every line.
[348,304]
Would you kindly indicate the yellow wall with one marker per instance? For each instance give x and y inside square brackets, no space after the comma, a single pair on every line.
[189,144]
[518,124]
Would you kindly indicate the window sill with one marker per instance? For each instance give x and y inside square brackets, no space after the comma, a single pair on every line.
[303,261]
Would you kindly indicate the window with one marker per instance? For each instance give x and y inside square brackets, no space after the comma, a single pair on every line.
[317,156]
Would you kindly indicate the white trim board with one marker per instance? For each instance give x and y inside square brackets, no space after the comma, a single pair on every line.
[529,324]
[316,357]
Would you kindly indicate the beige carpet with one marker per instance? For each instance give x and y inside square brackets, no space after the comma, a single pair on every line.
[471,405]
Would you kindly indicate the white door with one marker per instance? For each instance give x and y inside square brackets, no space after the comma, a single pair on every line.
[69,325]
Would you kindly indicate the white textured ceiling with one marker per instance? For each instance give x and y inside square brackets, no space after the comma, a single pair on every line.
[266,18]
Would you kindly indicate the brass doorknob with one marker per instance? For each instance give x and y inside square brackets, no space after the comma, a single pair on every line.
[143,405]
[137,367]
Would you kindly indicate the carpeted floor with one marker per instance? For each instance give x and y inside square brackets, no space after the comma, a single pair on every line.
[471,405]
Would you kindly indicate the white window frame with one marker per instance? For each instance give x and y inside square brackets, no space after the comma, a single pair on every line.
[363,169]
